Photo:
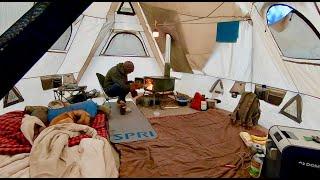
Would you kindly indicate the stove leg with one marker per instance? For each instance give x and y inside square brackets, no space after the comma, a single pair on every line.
[154,100]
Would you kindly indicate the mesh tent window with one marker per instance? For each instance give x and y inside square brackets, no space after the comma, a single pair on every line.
[293,109]
[287,26]
[125,44]
[62,43]
[126,9]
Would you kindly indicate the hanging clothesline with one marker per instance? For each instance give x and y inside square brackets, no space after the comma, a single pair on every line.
[205,74]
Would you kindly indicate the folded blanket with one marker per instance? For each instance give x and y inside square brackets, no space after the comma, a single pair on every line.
[14,166]
[89,157]
[99,124]
[30,127]
[50,157]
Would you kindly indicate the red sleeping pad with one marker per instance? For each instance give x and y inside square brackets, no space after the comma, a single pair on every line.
[12,140]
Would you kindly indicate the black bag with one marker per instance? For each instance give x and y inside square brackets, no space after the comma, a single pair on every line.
[78,98]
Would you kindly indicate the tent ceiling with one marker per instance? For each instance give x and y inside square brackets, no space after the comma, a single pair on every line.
[195,36]
[201,9]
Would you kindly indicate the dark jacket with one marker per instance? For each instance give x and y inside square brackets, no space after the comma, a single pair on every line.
[117,75]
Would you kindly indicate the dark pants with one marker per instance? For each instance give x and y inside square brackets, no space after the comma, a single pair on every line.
[116,91]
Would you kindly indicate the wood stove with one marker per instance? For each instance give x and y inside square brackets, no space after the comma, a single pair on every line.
[156,84]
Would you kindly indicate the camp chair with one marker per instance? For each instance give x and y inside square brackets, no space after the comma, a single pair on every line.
[101,81]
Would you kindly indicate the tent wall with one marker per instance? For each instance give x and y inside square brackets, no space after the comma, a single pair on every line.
[144,66]
[270,114]
[254,59]
[31,91]
[83,36]
[268,67]
[10,12]
[191,83]
[82,44]
[48,64]
[192,26]
[233,60]
[298,77]
[51,61]
[306,77]
[101,64]
[98,9]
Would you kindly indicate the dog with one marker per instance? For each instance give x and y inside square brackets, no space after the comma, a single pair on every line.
[76,116]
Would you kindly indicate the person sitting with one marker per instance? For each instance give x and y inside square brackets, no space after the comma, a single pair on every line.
[116,82]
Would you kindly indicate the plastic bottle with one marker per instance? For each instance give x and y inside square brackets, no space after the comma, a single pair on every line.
[256,164]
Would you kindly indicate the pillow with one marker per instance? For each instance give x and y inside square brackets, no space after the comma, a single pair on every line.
[88,106]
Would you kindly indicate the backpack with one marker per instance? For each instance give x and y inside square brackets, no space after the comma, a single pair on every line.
[247,112]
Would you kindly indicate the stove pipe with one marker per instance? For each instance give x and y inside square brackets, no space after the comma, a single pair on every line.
[167,56]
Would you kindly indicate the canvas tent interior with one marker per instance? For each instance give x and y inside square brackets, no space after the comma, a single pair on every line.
[278,49]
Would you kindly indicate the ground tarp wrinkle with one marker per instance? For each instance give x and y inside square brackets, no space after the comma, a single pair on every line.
[193,145]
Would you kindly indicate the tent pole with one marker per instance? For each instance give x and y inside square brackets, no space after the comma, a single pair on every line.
[148,32]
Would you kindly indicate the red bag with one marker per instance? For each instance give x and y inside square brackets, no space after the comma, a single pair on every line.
[196,101]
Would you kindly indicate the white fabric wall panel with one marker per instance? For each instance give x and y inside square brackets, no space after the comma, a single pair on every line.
[128,26]
[98,9]
[33,94]
[48,64]
[233,60]
[219,63]
[10,12]
[270,113]
[265,71]
[306,78]
[244,6]
[146,42]
[101,64]
[268,66]
[191,83]
[177,75]
[120,18]
[309,10]
[310,112]
[242,54]
[197,72]
[81,45]
[126,22]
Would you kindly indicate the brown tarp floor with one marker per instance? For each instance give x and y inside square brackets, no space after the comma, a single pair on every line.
[191,145]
